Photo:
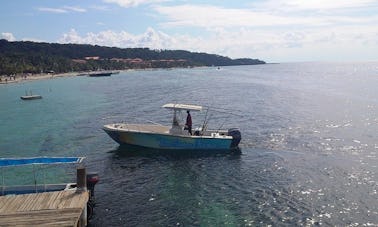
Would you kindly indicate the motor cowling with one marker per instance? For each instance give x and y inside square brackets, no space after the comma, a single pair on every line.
[92,180]
[236,136]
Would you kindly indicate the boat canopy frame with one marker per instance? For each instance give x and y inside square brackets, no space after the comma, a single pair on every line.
[177,106]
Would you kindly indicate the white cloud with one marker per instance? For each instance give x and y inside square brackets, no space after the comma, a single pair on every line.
[71,37]
[75,9]
[288,29]
[269,29]
[150,38]
[312,7]
[270,45]
[319,4]
[8,36]
[100,7]
[64,9]
[212,16]
[33,40]
[132,3]
[52,10]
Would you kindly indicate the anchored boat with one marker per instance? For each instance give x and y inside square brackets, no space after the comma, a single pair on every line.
[30,96]
[100,73]
[174,137]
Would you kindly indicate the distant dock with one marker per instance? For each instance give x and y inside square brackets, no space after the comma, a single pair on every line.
[63,208]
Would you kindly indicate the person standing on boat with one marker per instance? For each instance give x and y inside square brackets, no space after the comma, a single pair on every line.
[188,123]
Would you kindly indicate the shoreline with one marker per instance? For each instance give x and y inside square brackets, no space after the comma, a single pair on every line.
[19,78]
[42,76]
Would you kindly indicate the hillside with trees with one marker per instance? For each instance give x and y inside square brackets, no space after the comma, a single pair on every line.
[32,57]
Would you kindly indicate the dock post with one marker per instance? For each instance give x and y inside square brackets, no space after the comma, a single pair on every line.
[2,183]
[81,178]
[81,184]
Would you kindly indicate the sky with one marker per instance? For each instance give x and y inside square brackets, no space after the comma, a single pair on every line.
[269,30]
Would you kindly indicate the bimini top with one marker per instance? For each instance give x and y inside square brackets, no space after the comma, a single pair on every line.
[39,160]
[182,107]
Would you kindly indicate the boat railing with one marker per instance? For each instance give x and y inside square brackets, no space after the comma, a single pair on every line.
[132,119]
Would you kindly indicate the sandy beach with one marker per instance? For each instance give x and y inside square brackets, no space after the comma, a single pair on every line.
[23,78]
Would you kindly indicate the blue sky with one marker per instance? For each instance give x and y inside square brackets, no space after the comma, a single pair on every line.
[271,30]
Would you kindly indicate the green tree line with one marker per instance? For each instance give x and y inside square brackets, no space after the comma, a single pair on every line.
[33,57]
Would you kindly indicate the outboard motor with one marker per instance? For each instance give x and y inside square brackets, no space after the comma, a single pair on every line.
[236,136]
[92,180]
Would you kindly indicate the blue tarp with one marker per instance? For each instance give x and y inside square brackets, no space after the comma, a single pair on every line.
[40,160]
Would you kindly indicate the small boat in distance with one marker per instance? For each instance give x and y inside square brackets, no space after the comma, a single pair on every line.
[99,74]
[174,137]
[30,96]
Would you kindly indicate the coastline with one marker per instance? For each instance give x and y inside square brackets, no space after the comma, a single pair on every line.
[42,76]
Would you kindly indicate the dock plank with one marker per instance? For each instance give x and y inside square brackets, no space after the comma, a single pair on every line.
[63,217]
[61,208]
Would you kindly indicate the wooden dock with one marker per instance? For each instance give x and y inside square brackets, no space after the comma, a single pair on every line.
[60,208]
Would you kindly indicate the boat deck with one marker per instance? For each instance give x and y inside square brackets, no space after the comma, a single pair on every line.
[142,128]
[161,129]
[60,208]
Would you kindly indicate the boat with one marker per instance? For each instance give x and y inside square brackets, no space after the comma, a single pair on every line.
[174,137]
[30,96]
[99,74]
[13,167]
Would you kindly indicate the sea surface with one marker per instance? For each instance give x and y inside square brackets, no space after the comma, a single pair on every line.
[308,155]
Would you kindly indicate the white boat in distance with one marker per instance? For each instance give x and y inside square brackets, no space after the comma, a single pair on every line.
[174,137]
[30,96]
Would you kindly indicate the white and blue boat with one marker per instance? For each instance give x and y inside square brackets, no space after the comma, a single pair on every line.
[174,137]
[30,96]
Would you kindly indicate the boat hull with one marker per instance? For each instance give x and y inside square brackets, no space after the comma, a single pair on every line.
[169,142]
[100,74]
[30,97]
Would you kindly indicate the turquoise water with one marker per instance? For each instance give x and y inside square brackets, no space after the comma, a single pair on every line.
[308,150]
[49,126]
